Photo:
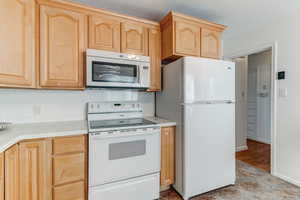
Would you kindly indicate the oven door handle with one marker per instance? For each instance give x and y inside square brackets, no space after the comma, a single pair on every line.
[98,136]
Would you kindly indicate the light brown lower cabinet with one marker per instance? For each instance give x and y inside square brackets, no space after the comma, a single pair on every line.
[167,174]
[1,176]
[56,168]
[12,178]
[32,170]
[69,161]
[35,170]
[74,191]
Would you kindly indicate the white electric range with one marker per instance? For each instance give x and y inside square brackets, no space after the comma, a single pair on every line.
[124,152]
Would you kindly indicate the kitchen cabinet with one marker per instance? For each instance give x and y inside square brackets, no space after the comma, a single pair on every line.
[167,174]
[12,175]
[183,35]
[104,33]
[134,38]
[62,45]
[1,176]
[68,168]
[46,40]
[187,38]
[35,171]
[17,49]
[211,44]
[74,191]
[155,59]
[44,169]
[69,160]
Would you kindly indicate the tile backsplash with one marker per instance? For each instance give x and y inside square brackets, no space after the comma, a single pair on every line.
[28,106]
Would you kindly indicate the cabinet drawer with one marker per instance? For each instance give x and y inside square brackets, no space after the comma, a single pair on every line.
[69,144]
[75,191]
[68,168]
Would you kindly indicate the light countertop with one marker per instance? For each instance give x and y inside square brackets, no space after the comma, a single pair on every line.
[161,122]
[18,132]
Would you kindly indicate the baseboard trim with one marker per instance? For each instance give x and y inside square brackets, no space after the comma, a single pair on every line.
[241,148]
[164,188]
[262,140]
[287,179]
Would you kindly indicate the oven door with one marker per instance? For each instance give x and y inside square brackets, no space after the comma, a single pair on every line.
[105,72]
[119,158]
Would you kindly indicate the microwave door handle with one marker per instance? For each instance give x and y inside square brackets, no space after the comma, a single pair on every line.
[138,74]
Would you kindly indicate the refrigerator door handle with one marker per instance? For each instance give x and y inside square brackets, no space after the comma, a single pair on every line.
[210,102]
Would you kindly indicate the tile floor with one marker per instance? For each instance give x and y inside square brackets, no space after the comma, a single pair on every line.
[252,184]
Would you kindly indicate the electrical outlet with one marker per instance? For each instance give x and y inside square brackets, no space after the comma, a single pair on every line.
[36,110]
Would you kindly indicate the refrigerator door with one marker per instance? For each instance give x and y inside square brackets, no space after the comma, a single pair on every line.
[209,147]
[208,80]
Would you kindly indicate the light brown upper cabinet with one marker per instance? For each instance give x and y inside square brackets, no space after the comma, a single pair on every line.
[62,45]
[134,38]
[183,35]
[187,38]
[211,43]
[35,170]
[155,59]
[17,49]
[104,33]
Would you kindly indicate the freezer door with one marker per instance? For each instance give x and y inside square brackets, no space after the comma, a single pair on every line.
[209,147]
[208,80]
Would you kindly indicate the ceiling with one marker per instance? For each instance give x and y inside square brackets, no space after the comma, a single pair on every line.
[239,15]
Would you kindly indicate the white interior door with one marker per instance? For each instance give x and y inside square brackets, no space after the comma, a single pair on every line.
[259,96]
[241,103]
[264,97]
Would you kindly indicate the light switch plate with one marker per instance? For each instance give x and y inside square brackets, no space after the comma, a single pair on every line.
[283,92]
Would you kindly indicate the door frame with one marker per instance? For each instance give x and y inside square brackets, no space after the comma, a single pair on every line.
[274,48]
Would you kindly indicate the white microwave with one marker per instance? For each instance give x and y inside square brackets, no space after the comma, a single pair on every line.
[117,70]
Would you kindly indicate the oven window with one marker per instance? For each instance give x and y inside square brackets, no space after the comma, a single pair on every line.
[127,149]
[113,72]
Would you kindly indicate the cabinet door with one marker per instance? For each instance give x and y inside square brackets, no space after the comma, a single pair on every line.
[12,180]
[210,43]
[167,174]
[187,39]
[1,176]
[17,49]
[104,33]
[134,39]
[74,191]
[62,45]
[155,56]
[35,173]
[68,168]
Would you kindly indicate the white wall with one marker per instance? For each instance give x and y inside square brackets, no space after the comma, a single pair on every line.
[27,106]
[287,140]
[241,103]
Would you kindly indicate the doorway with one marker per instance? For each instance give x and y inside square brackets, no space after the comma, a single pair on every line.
[253,108]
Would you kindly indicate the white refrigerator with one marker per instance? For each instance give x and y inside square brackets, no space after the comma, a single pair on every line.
[199,94]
